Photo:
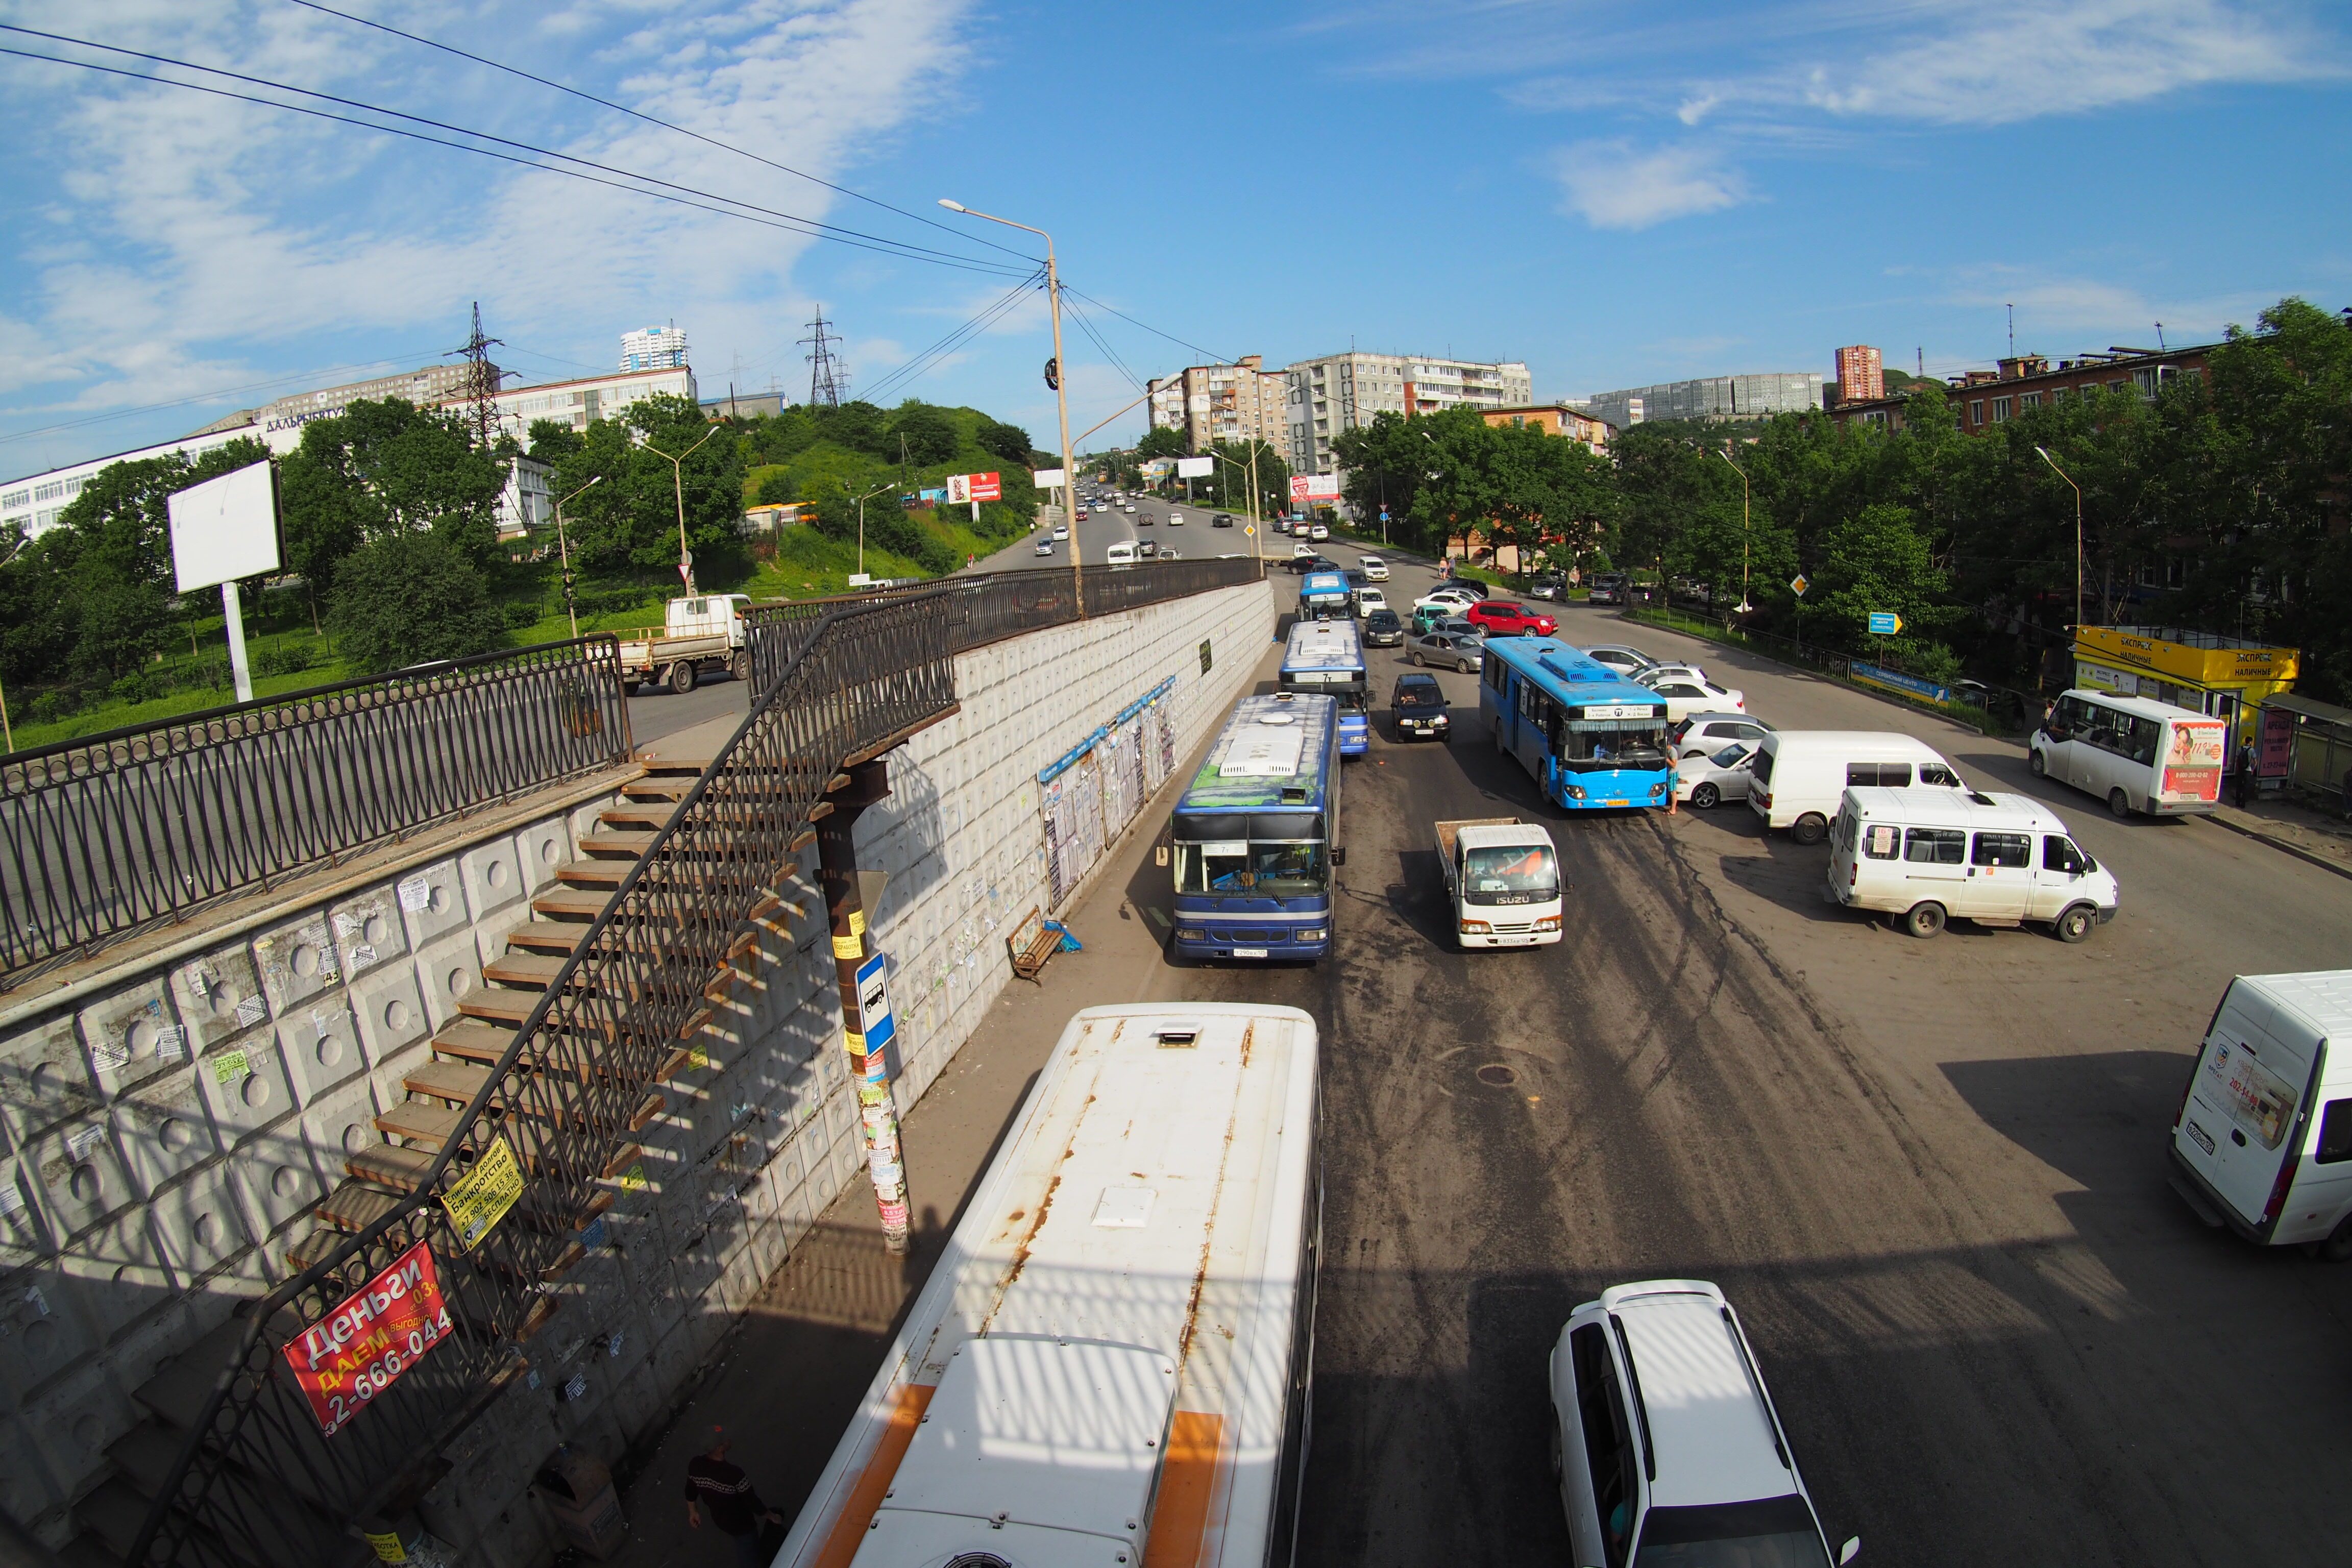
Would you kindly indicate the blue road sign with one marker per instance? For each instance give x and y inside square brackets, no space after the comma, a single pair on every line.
[1885,624]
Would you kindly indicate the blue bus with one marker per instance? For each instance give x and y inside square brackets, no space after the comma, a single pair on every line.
[1590,738]
[1325,593]
[1252,835]
[1328,656]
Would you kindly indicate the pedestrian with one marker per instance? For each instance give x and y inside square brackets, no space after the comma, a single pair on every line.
[2245,773]
[735,1507]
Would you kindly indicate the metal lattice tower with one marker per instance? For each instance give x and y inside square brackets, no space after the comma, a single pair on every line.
[481,381]
[828,376]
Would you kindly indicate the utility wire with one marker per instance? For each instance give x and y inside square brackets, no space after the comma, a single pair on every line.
[930,357]
[1086,326]
[1210,356]
[655,120]
[793,222]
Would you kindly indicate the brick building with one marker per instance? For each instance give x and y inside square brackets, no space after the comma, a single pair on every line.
[1556,419]
[1981,399]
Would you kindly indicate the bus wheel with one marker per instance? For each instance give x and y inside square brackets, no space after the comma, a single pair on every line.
[1705,796]
[2077,924]
[2037,764]
[2118,801]
[681,676]
[1811,828]
[1924,921]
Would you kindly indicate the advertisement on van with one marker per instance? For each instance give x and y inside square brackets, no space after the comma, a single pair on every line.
[2192,762]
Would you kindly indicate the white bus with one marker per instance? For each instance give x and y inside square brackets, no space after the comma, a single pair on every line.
[1114,1353]
[2134,753]
[1120,555]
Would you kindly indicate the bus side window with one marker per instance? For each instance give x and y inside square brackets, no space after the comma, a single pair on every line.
[2059,854]
[2003,849]
[1881,841]
[1935,846]
[1937,773]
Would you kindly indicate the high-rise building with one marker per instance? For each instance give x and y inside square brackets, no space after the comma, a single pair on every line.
[1341,391]
[656,348]
[1214,403]
[1710,397]
[1860,373]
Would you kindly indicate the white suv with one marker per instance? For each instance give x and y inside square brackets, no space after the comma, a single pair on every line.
[1375,569]
[1663,1437]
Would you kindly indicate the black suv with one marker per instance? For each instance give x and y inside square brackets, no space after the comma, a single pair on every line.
[1420,704]
[1382,629]
[1223,520]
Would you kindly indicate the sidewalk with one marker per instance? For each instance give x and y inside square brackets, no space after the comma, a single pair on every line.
[2307,835]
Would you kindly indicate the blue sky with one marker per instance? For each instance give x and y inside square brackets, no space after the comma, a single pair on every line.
[1615,194]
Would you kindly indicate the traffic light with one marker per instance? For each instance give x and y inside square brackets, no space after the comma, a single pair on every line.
[1053,374]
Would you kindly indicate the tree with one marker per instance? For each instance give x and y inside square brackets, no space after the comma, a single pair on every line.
[1008,442]
[930,435]
[1872,563]
[389,466]
[410,598]
[1161,441]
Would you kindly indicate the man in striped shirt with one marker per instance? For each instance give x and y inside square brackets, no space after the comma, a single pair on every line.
[735,1508]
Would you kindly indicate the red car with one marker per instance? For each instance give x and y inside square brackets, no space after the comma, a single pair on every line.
[1505,618]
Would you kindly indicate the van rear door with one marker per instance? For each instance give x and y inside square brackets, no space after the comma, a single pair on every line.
[2243,1100]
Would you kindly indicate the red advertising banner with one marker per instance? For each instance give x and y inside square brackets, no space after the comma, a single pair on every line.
[987,487]
[366,1343]
[2277,752]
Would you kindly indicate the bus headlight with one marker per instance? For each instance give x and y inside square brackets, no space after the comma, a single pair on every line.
[1476,928]
[1189,933]
[1550,922]
[1574,792]
[1657,791]
[1315,934]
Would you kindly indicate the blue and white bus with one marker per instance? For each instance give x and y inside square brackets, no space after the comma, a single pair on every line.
[1590,738]
[1324,593]
[1252,838]
[1328,656]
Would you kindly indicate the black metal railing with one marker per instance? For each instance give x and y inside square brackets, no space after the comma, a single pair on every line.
[254,1483]
[104,836]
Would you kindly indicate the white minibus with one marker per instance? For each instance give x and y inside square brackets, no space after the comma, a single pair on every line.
[2262,1140]
[1926,856]
[1801,773]
[1120,555]
[2134,753]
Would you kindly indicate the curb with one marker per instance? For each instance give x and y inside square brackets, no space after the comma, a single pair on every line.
[2284,847]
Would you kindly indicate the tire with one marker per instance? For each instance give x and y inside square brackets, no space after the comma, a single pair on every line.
[1705,796]
[1810,828]
[2075,923]
[1463,666]
[2118,801]
[1412,657]
[2338,1247]
[1924,921]
[738,664]
[2037,764]
[682,676]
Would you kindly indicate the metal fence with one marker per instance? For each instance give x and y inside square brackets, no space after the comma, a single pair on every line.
[103,835]
[254,1483]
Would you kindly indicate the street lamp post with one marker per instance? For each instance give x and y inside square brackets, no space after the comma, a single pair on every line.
[2078,534]
[869,495]
[1735,469]
[565,547]
[1257,527]
[1061,393]
[677,487]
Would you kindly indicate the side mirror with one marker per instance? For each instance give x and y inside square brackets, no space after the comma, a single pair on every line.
[1850,1551]
[1160,855]
[1338,855]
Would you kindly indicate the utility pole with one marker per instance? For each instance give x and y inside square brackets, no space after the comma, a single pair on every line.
[2078,536]
[828,377]
[677,488]
[1735,469]
[565,547]
[481,380]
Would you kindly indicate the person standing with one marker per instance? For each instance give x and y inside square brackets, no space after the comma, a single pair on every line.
[2245,773]
[735,1507]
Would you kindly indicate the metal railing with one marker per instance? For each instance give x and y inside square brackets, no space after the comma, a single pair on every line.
[106,835]
[254,1483]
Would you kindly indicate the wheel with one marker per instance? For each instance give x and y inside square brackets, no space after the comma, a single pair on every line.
[1810,828]
[738,664]
[2077,924]
[1924,921]
[2338,1247]
[681,676]
[2037,764]
[1464,666]
[1705,796]
[1412,657]
[2118,801]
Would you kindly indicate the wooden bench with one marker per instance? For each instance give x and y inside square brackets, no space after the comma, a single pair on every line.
[1031,944]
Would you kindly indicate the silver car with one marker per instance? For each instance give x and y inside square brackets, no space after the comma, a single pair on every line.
[1457,644]
[1707,782]
[1625,660]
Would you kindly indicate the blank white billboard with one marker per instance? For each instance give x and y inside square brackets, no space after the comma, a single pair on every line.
[1195,468]
[225,529]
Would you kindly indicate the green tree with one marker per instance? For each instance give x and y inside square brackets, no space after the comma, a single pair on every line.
[381,467]
[1161,441]
[409,597]
[1874,563]
[1009,443]
[928,434]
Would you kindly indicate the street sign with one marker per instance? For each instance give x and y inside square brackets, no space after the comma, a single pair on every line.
[1885,624]
[876,1027]
[1797,586]
[1250,531]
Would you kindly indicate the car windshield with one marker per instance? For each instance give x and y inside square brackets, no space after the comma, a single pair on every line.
[1771,1532]
[1419,695]
[1730,756]
[1515,874]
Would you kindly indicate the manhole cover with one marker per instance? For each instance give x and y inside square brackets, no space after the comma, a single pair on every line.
[1498,1075]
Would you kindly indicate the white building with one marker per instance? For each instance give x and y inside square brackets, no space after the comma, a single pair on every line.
[1756,396]
[656,348]
[1342,392]
[581,403]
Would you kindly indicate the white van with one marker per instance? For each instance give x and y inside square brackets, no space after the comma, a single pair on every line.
[1801,773]
[2262,1141]
[1926,856]
[1120,555]
[2134,753]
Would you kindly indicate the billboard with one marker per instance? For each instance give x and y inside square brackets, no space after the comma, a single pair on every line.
[1194,467]
[1314,487]
[1048,479]
[225,529]
[355,1353]
[962,488]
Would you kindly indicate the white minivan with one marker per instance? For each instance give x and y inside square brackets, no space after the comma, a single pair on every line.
[2262,1141]
[2134,753]
[1801,773]
[1120,555]
[1927,856]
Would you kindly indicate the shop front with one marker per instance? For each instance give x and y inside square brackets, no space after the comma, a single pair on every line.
[2226,678]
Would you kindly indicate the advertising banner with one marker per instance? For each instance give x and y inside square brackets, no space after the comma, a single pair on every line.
[2277,745]
[360,1347]
[1314,487]
[986,487]
[480,1198]
[1194,467]
[1046,479]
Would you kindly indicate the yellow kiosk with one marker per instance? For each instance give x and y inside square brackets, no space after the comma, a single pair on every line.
[2226,678]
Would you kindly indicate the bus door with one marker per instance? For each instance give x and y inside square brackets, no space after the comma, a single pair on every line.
[1506,686]
[1531,736]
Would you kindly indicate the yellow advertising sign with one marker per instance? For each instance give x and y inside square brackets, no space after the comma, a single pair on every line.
[2148,648]
[481,1198]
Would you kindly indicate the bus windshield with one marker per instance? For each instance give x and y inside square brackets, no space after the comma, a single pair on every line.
[1517,874]
[1242,866]
[1615,748]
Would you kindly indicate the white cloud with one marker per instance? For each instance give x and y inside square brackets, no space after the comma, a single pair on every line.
[1613,185]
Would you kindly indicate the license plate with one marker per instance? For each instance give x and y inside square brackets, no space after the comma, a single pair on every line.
[1616,803]
[1249,952]
[2204,1139]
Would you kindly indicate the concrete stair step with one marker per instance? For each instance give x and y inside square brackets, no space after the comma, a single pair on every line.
[535,970]
[593,873]
[457,1082]
[548,936]
[473,1040]
[390,1165]
[630,844]
[356,1204]
[423,1123]
[652,788]
[174,1392]
[571,903]
[550,1209]
[636,818]
[114,1508]
[507,1008]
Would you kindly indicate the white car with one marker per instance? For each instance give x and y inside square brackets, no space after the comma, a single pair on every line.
[1707,781]
[1175,519]
[1318,533]
[1302,553]
[1061,533]
[1447,595]
[1689,694]
[1128,507]
[1369,598]
[1375,569]
[1618,656]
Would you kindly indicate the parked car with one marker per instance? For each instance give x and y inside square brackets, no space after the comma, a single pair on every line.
[1688,694]
[1704,735]
[1665,1443]
[1318,533]
[1548,585]
[1375,569]
[1506,617]
[1607,588]
[1929,855]
[1382,629]
[1708,779]
[1223,520]
[1464,650]
[1672,667]
[1420,705]
[1618,656]
[1045,547]
[1450,594]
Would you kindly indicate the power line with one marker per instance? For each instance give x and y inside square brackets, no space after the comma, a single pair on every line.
[791,222]
[1086,325]
[1210,356]
[924,360]
[655,120]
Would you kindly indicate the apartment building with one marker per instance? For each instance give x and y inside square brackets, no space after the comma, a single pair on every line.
[1556,419]
[581,402]
[1210,402]
[1981,399]
[1341,391]
[656,348]
[1861,372]
[1757,396]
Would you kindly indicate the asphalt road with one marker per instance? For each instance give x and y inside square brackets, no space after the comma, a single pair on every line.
[1193,538]
[1930,1174]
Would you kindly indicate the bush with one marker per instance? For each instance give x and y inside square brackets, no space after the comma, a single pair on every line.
[522,615]
[409,598]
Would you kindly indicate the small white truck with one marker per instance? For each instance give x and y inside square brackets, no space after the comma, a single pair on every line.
[702,633]
[1502,877]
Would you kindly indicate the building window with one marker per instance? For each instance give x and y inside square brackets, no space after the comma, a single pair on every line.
[1976,412]
[16,499]
[1999,410]
[50,491]
[2028,400]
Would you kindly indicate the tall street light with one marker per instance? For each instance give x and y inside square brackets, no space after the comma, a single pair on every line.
[677,487]
[564,545]
[2078,536]
[1061,395]
[1257,529]
[869,495]
[1744,605]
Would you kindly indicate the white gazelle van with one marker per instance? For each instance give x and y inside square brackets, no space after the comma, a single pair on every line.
[1927,856]
[2262,1141]
[1800,773]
